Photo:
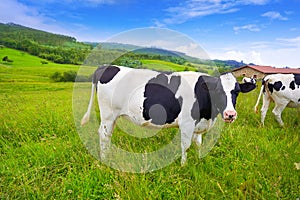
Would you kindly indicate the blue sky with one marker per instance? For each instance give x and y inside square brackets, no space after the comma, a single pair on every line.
[260,31]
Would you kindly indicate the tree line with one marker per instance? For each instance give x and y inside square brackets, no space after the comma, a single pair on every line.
[129,59]
[53,47]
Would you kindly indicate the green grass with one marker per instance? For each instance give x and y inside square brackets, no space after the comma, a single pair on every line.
[42,156]
[28,68]
[164,66]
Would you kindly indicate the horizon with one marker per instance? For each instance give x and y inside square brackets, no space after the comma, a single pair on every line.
[263,32]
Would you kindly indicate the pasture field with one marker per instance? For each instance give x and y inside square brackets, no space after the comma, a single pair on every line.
[164,66]
[28,68]
[42,156]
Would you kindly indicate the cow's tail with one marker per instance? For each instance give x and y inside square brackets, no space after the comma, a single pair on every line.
[259,96]
[86,116]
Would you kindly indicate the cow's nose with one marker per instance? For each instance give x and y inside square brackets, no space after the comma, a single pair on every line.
[230,115]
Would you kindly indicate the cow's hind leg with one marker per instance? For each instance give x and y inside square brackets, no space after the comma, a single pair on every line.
[277,112]
[197,138]
[105,133]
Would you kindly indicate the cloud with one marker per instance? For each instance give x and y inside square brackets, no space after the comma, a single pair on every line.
[290,42]
[91,3]
[255,2]
[274,15]
[73,2]
[190,9]
[279,52]
[247,56]
[13,11]
[249,27]
[30,16]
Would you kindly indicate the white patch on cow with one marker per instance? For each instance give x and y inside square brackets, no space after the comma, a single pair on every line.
[249,80]
[228,82]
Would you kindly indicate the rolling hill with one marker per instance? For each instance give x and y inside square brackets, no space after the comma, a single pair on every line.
[165,53]
[53,47]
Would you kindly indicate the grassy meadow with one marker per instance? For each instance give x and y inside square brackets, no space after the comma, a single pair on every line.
[164,66]
[42,156]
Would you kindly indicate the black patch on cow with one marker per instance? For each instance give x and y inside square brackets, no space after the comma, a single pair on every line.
[264,86]
[299,100]
[277,85]
[292,85]
[234,93]
[160,104]
[105,74]
[283,88]
[210,98]
[297,79]
[271,87]
[246,87]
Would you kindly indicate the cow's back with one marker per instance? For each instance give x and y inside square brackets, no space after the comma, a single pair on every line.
[148,96]
[284,86]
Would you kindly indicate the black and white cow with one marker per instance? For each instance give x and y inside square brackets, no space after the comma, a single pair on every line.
[188,100]
[249,80]
[283,89]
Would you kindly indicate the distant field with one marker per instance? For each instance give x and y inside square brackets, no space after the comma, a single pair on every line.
[28,68]
[165,66]
[42,156]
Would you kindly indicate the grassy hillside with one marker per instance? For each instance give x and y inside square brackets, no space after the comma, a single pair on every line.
[42,156]
[28,68]
[18,32]
[53,47]
[165,66]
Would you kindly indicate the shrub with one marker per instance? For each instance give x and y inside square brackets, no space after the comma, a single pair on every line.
[56,77]
[6,59]
[68,76]
[44,62]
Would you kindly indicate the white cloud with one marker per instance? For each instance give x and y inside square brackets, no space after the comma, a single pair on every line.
[19,12]
[190,9]
[249,27]
[157,24]
[247,56]
[73,2]
[30,16]
[91,3]
[280,52]
[13,11]
[255,2]
[290,42]
[274,15]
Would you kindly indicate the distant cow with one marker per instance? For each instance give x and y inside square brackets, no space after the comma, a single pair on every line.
[283,89]
[188,100]
[249,80]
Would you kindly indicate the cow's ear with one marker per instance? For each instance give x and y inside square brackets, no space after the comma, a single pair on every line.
[247,87]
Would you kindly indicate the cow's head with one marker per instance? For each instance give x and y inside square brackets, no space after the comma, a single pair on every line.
[223,92]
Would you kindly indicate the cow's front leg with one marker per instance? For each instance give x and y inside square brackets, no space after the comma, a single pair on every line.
[105,133]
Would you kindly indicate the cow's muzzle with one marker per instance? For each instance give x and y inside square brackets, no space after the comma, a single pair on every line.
[229,116]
